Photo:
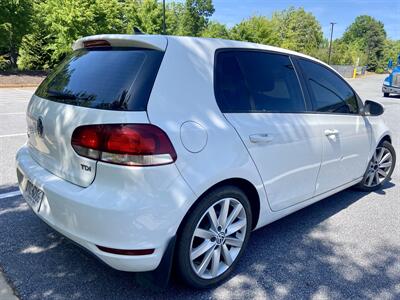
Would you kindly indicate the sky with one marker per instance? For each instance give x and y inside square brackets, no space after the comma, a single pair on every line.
[342,12]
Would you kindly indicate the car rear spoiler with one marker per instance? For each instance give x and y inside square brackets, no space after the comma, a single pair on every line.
[155,42]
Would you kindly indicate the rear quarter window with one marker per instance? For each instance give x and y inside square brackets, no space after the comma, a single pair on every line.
[104,78]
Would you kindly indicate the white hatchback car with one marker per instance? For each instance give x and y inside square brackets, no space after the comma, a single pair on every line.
[153,151]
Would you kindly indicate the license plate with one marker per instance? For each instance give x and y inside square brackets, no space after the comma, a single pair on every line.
[33,195]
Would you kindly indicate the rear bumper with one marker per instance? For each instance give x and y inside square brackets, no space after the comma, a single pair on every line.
[390,89]
[124,208]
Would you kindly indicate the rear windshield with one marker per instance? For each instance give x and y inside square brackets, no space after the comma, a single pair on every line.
[104,78]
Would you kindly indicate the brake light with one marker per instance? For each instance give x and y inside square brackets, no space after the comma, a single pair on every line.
[96,43]
[124,144]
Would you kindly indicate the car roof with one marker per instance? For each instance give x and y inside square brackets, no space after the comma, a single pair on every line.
[160,42]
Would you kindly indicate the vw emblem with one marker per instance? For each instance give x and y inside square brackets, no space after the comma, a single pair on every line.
[39,127]
[220,238]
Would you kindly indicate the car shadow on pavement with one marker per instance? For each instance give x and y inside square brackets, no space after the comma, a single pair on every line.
[299,256]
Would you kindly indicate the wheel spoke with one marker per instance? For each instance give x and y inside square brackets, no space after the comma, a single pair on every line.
[204,247]
[233,215]
[206,261]
[235,242]
[386,157]
[227,255]
[202,233]
[370,178]
[216,259]
[213,218]
[235,227]
[382,173]
[377,177]
[379,158]
[223,215]
[385,165]
[376,155]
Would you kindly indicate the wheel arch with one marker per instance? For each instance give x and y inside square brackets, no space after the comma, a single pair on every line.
[246,186]
[385,138]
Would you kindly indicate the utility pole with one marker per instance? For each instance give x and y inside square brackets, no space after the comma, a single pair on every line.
[163,13]
[330,43]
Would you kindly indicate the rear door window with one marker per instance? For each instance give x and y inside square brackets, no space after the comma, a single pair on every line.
[104,78]
[330,93]
[255,81]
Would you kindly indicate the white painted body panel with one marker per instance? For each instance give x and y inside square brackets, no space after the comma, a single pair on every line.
[139,208]
[345,153]
[292,156]
[124,208]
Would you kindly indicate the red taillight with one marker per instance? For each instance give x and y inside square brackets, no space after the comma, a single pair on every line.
[96,43]
[125,144]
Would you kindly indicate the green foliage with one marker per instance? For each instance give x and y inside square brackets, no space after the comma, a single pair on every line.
[257,29]
[391,51]
[145,15]
[15,21]
[370,35]
[68,20]
[195,16]
[297,30]
[4,63]
[34,53]
[216,30]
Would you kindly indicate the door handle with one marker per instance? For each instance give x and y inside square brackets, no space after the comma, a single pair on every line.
[329,132]
[261,138]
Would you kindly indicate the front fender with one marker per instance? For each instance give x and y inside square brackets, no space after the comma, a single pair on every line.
[378,131]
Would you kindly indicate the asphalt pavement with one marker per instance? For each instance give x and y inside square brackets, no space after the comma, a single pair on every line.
[344,247]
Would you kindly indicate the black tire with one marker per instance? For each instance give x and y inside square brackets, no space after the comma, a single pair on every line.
[184,265]
[386,94]
[362,185]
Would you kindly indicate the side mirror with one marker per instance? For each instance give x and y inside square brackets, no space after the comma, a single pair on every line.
[372,108]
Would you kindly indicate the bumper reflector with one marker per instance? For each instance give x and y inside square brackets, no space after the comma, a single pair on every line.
[126,252]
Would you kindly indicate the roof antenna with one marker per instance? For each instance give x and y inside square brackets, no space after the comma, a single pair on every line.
[137,31]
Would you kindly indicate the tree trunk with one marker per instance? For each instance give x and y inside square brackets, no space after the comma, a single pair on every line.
[13,58]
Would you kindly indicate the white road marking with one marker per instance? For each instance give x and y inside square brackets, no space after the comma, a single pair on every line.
[12,113]
[12,135]
[10,194]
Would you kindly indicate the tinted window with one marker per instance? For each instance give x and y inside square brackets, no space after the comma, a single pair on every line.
[329,92]
[105,78]
[250,81]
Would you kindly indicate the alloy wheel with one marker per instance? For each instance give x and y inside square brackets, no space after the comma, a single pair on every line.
[379,167]
[218,238]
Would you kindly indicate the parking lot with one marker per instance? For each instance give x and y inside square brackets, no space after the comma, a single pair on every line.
[344,247]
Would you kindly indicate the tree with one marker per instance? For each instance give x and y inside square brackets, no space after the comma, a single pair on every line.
[297,30]
[257,29]
[391,51]
[195,16]
[60,22]
[216,30]
[145,15]
[370,35]
[15,21]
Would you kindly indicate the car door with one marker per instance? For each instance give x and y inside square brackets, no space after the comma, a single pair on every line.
[260,95]
[344,130]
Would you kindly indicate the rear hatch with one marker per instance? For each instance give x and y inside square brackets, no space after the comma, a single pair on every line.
[106,80]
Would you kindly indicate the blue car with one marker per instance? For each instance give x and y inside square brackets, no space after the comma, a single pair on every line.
[391,85]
